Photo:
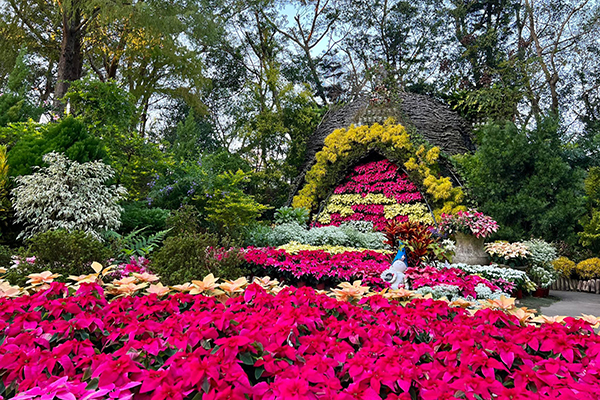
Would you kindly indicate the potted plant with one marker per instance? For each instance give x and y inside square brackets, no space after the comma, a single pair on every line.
[469,229]
[512,255]
[541,270]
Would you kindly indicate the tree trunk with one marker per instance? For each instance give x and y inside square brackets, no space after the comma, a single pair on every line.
[70,63]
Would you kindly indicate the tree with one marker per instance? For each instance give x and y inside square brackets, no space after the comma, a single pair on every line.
[67,195]
[521,178]
[109,113]
[393,42]
[70,136]
[15,104]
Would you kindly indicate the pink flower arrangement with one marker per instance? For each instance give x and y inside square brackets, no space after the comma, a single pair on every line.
[470,222]
[377,177]
[431,276]
[139,265]
[295,345]
[319,265]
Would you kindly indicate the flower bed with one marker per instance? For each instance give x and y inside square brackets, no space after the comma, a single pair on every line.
[320,265]
[506,279]
[377,192]
[295,344]
[454,282]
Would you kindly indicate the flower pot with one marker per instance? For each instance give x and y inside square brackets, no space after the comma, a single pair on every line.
[320,286]
[541,292]
[469,250]
[518,294]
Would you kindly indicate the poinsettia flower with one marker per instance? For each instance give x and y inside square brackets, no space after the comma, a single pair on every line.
[593,321]
[41,278]
[233,287]
[84,278]
[125,281]
[158,289]
[184,288]
[6,290]
[209,283]
[146,277]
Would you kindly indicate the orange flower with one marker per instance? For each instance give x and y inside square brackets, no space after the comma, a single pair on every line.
[41,278]
[232,287]
[350,291]
[186,287]
[209,283]
[9,291]
[146,277]
[158,289]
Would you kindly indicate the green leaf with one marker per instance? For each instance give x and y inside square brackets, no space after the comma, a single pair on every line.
[247,358]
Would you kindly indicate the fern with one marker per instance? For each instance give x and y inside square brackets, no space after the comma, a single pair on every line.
[134,244]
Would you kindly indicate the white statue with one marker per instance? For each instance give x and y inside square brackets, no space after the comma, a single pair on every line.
[395,273]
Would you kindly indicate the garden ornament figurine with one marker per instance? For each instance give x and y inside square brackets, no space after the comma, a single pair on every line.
[395,274]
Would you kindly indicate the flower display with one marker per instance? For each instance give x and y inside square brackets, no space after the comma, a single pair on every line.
[321,265]
[376,191]
[506,279]
[288,343]
[467,286]
[470,222]
[506,250]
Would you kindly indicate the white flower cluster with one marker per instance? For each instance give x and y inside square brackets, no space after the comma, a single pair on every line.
[442,290]
[541,256]
[492,272]
[346,235]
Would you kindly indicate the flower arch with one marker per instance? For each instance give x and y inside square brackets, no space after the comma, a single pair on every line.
[345,147]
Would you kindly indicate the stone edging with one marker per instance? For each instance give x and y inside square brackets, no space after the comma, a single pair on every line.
[576,285]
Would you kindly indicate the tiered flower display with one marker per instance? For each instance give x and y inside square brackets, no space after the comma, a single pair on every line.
[255,342]
[321,265]
[376,191]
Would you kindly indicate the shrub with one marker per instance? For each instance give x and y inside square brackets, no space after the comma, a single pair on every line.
[418,240]
[228,208]
[185,220]
[361,226]
[193,256]
[541,255]
[540,252]
[258,235]
[67,195]
[286,215]
[69,136]
[522,178]
[66,253]
[285,233]
[138,215]
[564,266]
[589,269]
[5,256]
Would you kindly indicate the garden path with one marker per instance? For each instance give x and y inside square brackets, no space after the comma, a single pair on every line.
[573,304]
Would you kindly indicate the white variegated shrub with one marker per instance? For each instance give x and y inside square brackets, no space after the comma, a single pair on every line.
[68,195]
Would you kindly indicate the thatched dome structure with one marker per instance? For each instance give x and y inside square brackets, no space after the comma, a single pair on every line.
[422,114]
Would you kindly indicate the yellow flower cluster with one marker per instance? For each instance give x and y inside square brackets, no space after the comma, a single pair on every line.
[416,212]
[564,266]
[394,141]
[295,248]
[589,269]
[338,146]
[439,187]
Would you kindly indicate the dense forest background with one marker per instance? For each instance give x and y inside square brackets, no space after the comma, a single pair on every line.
[209,103]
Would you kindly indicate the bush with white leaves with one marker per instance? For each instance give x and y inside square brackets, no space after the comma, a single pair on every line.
[68,195]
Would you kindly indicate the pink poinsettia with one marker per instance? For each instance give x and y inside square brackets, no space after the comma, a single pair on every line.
[296,344]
